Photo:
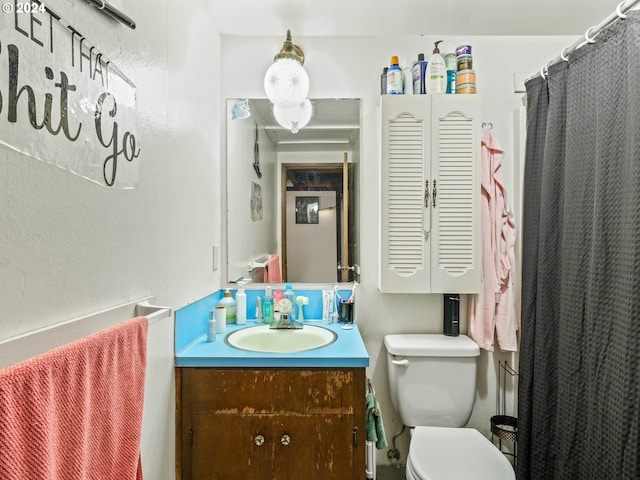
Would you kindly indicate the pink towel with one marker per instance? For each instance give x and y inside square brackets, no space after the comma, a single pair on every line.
[272,270]
[75,413]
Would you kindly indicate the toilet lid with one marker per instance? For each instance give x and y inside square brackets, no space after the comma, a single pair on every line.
[443,453]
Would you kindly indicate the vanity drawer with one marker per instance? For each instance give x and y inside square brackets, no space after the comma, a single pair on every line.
[272,390]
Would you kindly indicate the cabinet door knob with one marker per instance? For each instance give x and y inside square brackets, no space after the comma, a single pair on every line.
[285,439]
[259,440]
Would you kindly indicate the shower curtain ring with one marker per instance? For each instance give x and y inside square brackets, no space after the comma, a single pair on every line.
[619,10]
[544,71]
[586,36]
[563,55]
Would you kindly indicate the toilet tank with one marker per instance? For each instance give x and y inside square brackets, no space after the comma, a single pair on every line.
[432,378]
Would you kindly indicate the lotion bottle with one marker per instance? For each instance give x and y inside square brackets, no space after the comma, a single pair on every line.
[241,304]
[419,71]
[436,72]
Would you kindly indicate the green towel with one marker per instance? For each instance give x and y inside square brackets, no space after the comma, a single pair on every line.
[375,427]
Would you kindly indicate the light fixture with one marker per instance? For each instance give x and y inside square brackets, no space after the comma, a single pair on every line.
[293,117]
[286,82]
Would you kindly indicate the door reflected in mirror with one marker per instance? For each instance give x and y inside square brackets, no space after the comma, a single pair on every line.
[307,186]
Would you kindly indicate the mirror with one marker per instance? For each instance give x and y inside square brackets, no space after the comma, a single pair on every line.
[293,195]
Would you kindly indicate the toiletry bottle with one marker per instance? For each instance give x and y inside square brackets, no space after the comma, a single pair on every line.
[228,302]
[452,70]
[407,80]
[289,295]
[267,305]
[241,304]
[211,328]
[258,308]
[383,81]
[394,78]
[419,71]
[436,77]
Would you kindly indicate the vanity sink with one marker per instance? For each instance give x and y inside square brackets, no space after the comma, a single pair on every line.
[266,340]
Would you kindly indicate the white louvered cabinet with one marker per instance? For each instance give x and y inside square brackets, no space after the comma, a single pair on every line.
[430,204]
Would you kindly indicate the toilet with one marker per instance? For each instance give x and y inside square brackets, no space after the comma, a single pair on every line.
[432,380]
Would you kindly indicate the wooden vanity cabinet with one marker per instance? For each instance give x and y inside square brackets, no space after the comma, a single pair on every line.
[270,423]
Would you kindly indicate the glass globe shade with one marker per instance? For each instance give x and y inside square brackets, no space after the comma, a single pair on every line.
[286,82]
[293,117]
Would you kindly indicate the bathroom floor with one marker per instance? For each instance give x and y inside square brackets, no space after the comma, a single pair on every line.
[390,472]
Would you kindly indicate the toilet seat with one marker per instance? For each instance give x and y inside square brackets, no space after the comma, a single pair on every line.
[443,453]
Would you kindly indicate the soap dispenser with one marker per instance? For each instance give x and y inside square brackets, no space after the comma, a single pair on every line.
[267,305]
[230,304]
[436,72]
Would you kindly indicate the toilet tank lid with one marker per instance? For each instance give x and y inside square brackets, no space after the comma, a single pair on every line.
[431,345]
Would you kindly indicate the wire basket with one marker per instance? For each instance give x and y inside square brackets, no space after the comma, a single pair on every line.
[505,427]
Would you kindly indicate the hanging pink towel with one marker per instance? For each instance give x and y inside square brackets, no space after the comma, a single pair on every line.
[272,270]
[75,413]
[492,314]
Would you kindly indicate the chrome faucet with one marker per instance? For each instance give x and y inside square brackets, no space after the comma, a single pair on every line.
[284,323]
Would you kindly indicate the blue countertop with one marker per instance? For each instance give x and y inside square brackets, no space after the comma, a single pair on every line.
[347,351]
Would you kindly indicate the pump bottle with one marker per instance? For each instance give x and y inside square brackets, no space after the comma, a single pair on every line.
[228,302]
[267,305]
[436,76]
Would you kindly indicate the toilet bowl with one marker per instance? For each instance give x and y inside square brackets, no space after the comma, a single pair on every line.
[446,453]
[432,381]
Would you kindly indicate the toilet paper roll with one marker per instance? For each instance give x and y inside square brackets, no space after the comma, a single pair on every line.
[220,315]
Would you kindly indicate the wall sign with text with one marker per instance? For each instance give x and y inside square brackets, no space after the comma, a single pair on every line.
[63,102]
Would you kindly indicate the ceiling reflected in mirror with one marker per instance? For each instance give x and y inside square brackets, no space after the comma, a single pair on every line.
[334,126]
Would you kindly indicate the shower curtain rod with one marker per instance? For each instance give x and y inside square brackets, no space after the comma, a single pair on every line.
[589,36]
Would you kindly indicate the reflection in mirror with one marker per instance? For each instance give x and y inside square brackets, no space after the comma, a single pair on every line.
[292,202]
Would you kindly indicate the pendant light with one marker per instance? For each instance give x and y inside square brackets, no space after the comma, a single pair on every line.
[293,117]
[286,82]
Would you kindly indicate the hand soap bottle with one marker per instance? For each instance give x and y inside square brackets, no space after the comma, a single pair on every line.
[228,302]
[436,76]
[267,305]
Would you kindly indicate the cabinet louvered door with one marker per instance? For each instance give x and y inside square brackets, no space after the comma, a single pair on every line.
[405,220]
[455,165]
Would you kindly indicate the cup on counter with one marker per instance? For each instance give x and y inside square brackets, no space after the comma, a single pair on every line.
[345,312]
[220,316]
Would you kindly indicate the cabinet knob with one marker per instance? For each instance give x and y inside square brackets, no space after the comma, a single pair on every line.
[285,439]
[259,440]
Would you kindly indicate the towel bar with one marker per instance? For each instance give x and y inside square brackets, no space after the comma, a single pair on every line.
[30,344]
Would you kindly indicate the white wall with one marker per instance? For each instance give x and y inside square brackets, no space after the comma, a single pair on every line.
[69,247]
[248,240]
[350,67]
